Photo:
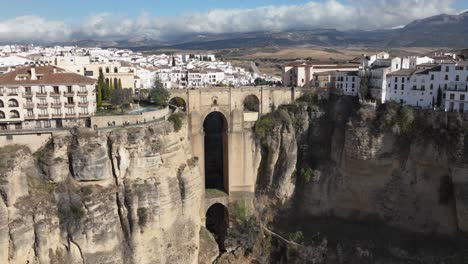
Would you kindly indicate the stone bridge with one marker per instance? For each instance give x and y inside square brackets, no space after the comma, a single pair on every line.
[220,131]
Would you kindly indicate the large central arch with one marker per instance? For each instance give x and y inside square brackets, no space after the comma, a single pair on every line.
[215,128]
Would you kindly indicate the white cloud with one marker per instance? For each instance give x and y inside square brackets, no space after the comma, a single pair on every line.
[349,15]
[33,28]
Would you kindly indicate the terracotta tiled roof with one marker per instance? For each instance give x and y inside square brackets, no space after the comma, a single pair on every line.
[48,77]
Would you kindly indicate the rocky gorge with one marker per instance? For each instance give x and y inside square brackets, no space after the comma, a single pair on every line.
[338,182]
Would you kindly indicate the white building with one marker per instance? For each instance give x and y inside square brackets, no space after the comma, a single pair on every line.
[348,82]
[45,97]
[420,86]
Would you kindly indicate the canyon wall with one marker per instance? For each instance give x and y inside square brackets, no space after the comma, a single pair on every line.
[118,196]
[405,167]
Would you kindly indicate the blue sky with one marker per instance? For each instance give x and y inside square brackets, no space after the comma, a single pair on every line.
[75,11]
[60,20]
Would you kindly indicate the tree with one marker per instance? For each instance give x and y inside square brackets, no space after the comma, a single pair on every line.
[158,94]
[439,98]
[110,91]
[105,90]
[260,81]
[98,95]
[120,84]
[122,98]
[173,62]
[99,89]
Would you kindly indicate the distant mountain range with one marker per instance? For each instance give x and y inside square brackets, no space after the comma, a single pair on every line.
[438,31]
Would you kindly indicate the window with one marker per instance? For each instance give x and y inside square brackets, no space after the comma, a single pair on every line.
[27,90]
[83,89]
[396,86]
[83,99]
[402,87]
[46,123]
[42,89]
[71,111]
[402,79]
[57,101]
[44,112]
[396,79]
[447,69]
[446,77]
[423,87]
[457,78]
[56,89]
[452,96]
[432,77]
[352,86]
[70,100]
[462,97]
[432,86]
[445,86]
[461,107]
[57,111]
[84,110]
[69,89]
[30,113]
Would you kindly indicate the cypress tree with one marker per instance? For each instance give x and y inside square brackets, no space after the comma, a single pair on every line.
[120,84]
[99,89]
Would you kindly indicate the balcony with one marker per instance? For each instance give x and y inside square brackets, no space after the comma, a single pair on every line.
[69,94]
[70,105]
[83,93]
[56,105]
[84,114]
[31,117]
[70,115]
[28,95]
[57,115]
[83,104]
[12,93]
[55,94]
[43,116]
[41,94]
[42,105]
[28,105]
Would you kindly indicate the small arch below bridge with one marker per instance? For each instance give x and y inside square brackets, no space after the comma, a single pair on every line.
[217,222]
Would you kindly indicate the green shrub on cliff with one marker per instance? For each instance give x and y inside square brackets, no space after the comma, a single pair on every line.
[176,120]
[309,98]
[401,119]
[263,126]
[297,237]
[240,212]
[306,174]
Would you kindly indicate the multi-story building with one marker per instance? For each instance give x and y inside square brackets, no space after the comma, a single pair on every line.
[421,86]
[45,97]
[348,82]
[113,71]
[301,73]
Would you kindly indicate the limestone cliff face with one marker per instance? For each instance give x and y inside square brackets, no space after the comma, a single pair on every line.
[121,196]
[339,159]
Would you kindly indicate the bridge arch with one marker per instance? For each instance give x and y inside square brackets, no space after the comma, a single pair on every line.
[178,102]
[215,129]
[251,103]
[217,222]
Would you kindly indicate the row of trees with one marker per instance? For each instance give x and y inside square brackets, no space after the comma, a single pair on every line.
[105,89]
